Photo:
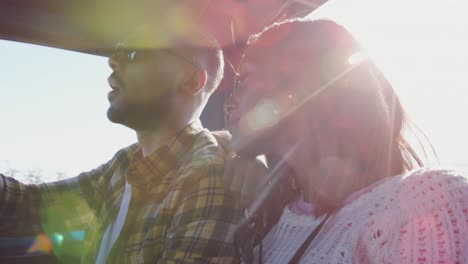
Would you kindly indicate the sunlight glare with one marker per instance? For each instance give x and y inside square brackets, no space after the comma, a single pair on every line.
[356,58]
[421,46]
[265,114]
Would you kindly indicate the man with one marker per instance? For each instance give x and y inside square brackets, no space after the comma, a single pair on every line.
[160,200]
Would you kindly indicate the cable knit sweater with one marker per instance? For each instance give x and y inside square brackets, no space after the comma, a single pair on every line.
[419,217]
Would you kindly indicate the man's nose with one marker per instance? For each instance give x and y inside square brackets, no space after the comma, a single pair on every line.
[114,63]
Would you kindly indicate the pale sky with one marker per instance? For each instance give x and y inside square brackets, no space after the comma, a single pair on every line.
[422,47]
[53,110]
[53,107]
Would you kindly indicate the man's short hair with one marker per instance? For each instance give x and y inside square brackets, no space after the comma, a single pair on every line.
[212,60]
[207,51]
[199,45]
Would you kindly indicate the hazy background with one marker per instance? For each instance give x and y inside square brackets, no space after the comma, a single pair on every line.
[53,102]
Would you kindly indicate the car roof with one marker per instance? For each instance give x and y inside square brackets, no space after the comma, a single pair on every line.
[95,26]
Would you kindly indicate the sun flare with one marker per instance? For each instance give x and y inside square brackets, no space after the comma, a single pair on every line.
[421,46]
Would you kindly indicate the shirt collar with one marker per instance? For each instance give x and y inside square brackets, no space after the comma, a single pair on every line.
[154,167]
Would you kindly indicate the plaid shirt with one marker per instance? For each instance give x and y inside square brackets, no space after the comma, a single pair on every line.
[179,212]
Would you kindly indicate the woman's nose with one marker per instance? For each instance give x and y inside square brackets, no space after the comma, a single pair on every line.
[231,105]
[231,115]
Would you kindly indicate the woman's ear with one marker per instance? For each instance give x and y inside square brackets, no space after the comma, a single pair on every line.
[195,82]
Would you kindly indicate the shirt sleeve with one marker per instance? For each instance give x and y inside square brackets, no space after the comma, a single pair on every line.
[29,209]
[202,228]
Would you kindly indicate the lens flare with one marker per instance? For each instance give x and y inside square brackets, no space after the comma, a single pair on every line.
[356,58]
[57,239]
[78,235]
[41,244]
[265,114]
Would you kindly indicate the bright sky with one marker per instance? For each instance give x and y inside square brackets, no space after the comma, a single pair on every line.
[422,47]
[53,107]
[53,111]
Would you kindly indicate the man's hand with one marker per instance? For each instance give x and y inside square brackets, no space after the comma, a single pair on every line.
[242,175]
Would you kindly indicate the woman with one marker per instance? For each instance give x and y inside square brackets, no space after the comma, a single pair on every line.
[309,98]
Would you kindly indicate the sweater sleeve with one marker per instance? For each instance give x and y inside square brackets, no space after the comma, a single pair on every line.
[427,222]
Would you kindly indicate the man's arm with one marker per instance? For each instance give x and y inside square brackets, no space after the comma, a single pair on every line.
[29,209]
[46,220]
[26,209]
[202,228]
[19,208]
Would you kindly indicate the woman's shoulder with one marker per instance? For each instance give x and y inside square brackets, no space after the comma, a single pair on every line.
[432,189]
[425,210]
[439,176]
[422,183]
[416,192]
[435,185]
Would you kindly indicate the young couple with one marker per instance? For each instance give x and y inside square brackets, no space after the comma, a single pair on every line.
[343,183]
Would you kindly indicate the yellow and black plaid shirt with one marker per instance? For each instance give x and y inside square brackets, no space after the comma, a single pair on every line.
[179,212]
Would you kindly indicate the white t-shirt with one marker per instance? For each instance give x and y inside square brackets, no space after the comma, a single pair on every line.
[114,228]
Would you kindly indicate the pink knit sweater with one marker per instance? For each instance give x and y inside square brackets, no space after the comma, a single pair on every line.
[419,217]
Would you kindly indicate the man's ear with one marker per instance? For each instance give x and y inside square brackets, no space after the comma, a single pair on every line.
[195,82]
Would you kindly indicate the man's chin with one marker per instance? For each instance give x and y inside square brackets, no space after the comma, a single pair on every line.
[136,120]
[115,116]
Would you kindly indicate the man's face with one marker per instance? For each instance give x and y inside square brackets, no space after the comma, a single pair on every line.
[144,85]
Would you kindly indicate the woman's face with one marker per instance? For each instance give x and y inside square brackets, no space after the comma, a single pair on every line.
[266,108]
[259,101]
[283,97]
[264,118]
